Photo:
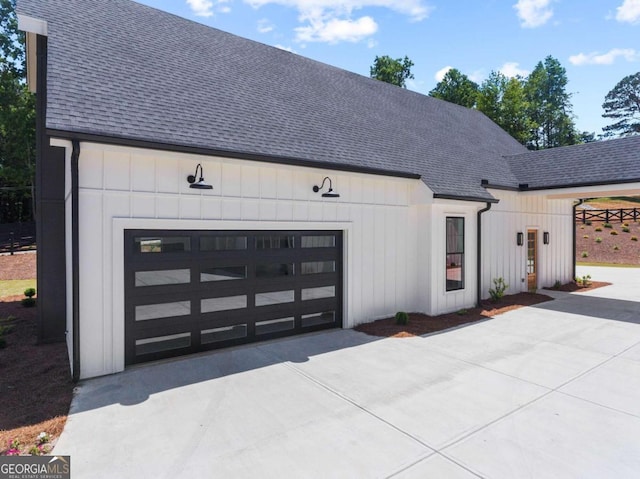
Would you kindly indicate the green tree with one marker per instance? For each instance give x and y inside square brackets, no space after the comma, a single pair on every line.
[623,105]
[395,71]
[456,87]
[17,119]
[504,101]
[549,106]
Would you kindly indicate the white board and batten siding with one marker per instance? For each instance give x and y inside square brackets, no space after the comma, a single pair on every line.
[122,188]
[502,257]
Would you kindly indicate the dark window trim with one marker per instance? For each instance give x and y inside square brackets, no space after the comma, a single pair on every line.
[462,253]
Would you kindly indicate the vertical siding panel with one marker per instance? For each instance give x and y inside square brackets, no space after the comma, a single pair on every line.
[167,175]
[250,184]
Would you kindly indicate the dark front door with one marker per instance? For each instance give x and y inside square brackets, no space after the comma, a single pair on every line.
[190,291]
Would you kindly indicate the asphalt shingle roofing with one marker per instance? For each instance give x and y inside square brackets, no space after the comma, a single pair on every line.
[123,70]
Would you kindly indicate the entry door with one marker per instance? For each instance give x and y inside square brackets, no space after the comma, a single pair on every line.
[532,259]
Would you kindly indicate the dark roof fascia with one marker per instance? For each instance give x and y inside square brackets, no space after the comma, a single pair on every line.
[135,143]
[580,185]
[501,187]
[438,196]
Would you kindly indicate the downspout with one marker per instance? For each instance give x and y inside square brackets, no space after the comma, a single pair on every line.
[479,254]
[75,255]
[573,219]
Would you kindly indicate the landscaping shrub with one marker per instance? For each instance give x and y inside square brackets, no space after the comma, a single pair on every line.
[557,284]
[614,233]
[586,236]
[608,225]
[598,240]
[402,318]
[598,228]
[29,301]
[634,238]
[585,254]
[498,292]
[616,248]
[626,229]
[584,281]
[588,222]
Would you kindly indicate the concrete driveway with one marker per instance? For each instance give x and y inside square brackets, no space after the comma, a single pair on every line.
[551,391]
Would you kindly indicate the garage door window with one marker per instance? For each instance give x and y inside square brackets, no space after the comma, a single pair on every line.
[223,243]
[163,244]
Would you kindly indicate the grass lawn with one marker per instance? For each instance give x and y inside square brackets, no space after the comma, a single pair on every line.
[15,287]
[608,265]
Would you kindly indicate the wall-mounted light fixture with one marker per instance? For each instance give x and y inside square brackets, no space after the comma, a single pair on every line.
[545,237]
[330,193]
[520,238]
[198,184]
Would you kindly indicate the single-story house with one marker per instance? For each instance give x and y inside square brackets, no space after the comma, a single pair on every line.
[198,190]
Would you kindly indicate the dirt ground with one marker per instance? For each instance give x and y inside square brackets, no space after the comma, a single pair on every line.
[35,382]
[605,247]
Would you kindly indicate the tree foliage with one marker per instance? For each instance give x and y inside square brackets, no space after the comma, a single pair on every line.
[395,71]
[17,119]
[504,101]
[456,87]
[549,106]
[622,104]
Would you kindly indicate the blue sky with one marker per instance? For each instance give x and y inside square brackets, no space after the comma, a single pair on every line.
[597,41]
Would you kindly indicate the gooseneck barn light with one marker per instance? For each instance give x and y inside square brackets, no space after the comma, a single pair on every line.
[330,193]
[200,183]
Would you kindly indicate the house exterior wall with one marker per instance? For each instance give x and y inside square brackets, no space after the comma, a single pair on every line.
[122,187]
[502,257]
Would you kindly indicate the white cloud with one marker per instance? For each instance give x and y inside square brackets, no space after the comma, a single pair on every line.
[202,8]
[477,76]
[512,69]
[533,13]
[335,30]
[629,11]
[596,58]
[205,8]
[439,76]
[286,49]
[332,21]
[265,26]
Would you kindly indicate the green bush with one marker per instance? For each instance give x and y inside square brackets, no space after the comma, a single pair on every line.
[30,292]
[585,254]
[634,238]
[598,240]
[498,292]
[614,233]
[608,225]
[584,281]
[616,248]
[625,229]
[557,284]
[402,318]
[598,228]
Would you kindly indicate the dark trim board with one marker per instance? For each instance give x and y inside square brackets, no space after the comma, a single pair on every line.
[154,145]
[188,291]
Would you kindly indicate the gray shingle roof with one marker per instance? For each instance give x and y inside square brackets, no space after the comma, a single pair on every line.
[121,69]
[603,162]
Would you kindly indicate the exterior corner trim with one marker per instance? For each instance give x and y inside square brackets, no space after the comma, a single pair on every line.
[75,257]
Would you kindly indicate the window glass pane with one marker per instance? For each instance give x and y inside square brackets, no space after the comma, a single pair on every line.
[164,310]
[318,293]
[161,277]
[163,343]
[223,304]
[316,267]
[209,336]
[222,243]
[455,271]
[274,270]
[318,241]
[274,325]
[274,297]
[223,273]
[455,235]
[274,242]
[318,318]
[167,244]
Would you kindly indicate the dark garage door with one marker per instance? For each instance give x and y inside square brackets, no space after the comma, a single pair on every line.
[190,291]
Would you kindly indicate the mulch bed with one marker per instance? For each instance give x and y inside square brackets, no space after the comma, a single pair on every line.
[574,288]
[35,380]
[420,324]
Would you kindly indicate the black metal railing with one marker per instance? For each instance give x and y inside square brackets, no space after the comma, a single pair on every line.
[617,215]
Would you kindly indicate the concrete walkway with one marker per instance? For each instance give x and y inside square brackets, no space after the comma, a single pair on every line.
[551,391]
